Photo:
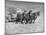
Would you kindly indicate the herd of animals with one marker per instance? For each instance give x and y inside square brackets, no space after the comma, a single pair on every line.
[25,18]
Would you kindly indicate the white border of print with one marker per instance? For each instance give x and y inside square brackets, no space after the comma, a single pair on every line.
[2,17]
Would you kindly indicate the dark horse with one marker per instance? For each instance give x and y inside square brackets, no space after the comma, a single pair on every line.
[26,17]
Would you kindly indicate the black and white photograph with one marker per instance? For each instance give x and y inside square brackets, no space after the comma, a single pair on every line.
[23,17]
